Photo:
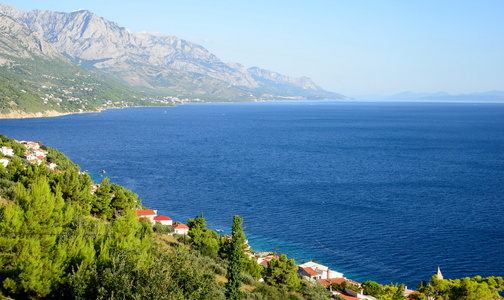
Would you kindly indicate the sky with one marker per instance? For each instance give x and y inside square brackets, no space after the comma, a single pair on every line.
[353,47]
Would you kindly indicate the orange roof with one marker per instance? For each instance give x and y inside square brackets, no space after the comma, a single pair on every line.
[268,258]
[349,297]
[180,226]
[310,271]
[145,212]
[162,218]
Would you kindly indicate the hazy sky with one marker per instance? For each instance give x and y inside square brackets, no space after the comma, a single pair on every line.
[347,46]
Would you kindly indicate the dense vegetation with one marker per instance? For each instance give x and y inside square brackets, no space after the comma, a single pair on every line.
[36,85]
[60,241]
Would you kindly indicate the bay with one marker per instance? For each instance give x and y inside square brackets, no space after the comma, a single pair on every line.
[378,191]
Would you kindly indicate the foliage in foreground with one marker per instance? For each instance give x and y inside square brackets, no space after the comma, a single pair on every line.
[57,240]
[476,288]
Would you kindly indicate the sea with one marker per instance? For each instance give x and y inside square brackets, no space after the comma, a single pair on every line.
[383,191]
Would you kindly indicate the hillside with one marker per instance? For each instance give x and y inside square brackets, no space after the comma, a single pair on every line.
[164,63]
[36,80]
[64,237]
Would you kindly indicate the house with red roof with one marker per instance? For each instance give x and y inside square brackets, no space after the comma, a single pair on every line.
[30,157]
[40,153]
[340,280]
[30,145]
[180,228]
[147,213]
[164,220]
[347,297]
[314,271]
[7,151]
[263,261]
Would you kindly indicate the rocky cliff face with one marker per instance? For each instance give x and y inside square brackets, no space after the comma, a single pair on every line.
[303,82]
[32,45]
[142,59]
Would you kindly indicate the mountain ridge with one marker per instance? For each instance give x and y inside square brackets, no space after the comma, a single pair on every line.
[100,44]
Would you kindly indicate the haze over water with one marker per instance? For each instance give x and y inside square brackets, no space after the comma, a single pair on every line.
[379,191]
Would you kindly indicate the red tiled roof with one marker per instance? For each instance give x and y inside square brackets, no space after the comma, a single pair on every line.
[162,218]
[145,212]
[310,271]
[349,297]
[180,226]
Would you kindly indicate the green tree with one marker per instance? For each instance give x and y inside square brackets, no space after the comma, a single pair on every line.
[372,288]
[464,289]
[393,292]
[75,188]
[282,273]
[254,269]
[202,238]
[234,275]
[103,198]
[29,230]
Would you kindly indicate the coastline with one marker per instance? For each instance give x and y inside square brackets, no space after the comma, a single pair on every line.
[139,184]
[45,114]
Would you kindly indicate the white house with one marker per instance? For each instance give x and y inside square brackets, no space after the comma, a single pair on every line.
[180,228]
[4,161]
[30,156]
[30,145]
[40,153]
[313,271]
[263,261]
[147,213]
[7,151]
[164,220]
[51,166]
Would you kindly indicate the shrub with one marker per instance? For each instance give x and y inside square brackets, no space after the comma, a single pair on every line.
[160,228]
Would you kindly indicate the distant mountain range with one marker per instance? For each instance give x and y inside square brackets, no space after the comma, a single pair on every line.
[490,96]
[165,64]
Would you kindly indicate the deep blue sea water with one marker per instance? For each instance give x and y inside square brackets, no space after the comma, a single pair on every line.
[379,191]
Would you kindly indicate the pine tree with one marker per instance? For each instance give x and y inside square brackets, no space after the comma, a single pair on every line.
[234,275]
[102,200]
[30,229]
[282,273]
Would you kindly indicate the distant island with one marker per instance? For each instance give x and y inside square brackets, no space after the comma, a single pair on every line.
[490,96]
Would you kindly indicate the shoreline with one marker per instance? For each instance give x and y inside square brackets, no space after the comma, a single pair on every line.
[14,115]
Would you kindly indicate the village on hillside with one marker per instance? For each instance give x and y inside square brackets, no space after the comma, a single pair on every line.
[34,154]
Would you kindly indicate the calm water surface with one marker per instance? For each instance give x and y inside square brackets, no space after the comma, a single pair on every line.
[379,191]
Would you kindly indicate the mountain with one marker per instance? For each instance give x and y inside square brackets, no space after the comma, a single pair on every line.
[490,96]
[412,95]
[36,80]
[164,63]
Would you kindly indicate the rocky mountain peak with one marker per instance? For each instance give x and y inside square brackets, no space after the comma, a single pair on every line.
[31,45]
